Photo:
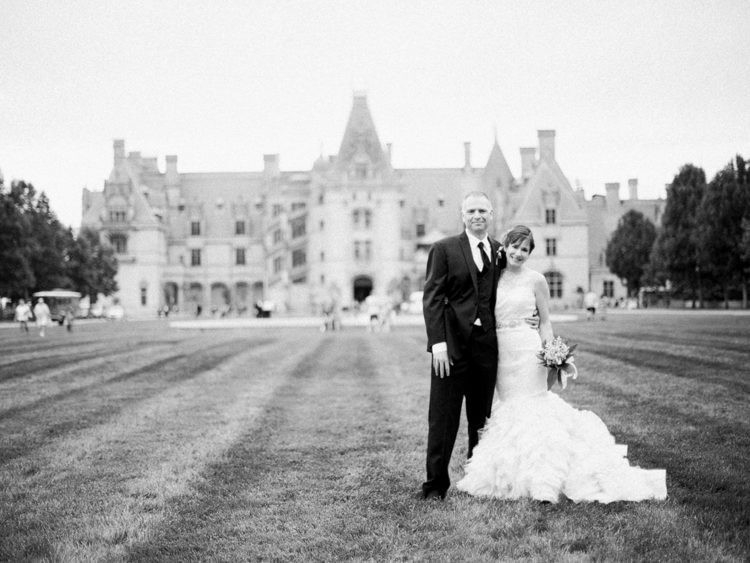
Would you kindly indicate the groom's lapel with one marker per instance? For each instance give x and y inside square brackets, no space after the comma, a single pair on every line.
[463,240]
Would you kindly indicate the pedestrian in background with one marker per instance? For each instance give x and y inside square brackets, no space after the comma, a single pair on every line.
[23,314]
[42,315]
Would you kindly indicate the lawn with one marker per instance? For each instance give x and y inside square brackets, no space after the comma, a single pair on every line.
[134,441]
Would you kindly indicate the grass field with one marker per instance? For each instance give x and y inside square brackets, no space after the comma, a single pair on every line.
[133,441]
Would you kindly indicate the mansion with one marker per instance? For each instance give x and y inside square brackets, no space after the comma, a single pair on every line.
[349,227]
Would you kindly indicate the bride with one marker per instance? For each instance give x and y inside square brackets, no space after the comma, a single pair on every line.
[535,444]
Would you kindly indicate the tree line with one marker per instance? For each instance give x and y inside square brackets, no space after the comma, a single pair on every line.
[701,249]
[39,253]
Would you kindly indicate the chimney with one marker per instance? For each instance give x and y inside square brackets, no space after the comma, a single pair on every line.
[119,147]
[86,200]
[528,159]
[613,195]
[171,176]
[467,156]
[389,152]
[633,188]
[546,144]
[271,165]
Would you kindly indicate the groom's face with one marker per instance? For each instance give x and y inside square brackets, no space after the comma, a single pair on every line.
[476,212]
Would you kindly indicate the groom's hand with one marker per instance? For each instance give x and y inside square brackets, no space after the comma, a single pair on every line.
[533,322]
[441,364]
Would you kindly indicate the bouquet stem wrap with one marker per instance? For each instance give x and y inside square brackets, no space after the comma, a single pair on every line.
[557,356]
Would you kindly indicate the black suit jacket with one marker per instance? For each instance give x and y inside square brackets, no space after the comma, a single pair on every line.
[450,299]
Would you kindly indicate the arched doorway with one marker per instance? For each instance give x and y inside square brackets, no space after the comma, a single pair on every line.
[219,299]
[241,296]
[194,298]
[171,295]
[362,287]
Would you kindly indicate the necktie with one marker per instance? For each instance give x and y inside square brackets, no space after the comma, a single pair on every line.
[485,259]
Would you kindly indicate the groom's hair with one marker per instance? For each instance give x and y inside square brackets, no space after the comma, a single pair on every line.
[519,233]
[475,193]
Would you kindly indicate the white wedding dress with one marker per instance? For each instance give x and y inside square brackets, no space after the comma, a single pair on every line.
[535,444]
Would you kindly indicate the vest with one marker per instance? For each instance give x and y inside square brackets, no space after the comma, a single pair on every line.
[484,311]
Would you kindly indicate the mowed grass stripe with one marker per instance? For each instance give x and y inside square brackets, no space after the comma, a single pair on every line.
[73,411]
[36,394]
[285,490]
[41,363]
[92,494]
[51,379]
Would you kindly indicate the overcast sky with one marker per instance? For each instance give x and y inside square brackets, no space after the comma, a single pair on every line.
[633,89]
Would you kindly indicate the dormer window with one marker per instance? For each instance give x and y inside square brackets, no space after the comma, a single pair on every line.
[550,216]
[117,216]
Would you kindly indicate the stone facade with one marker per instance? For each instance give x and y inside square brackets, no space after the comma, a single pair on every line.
[349,227]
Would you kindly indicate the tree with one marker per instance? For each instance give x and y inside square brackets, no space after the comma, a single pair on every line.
[92,266]
[725,203]
[50,253]
[629,249]
[16,242]
[677,242]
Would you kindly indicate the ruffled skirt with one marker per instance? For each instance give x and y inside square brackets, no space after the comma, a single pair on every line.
[541,447]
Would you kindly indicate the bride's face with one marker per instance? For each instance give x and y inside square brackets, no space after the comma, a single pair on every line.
[518,252]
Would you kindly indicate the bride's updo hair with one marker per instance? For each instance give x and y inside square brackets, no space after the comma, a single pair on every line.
[519,233]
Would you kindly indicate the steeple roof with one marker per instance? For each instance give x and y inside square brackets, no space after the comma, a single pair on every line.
[361,141]
[497,168]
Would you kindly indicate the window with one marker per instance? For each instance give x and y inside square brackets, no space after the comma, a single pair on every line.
[277,264]
[368,250]
[277,209]
[554,280]
[298,228]
[299,258]
[239,256]
[322,224]
[357,250]
[322,256]
[195,257]
[550,216]
[551,246]
[195,228]
[298,205]
[609,288]
[119,243]
[420,229]
[322,279]
[143,296]
[360,171]
[278,236]
[239,227]
[117,216]
[362,218]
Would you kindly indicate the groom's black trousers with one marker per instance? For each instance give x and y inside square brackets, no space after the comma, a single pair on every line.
[472,376]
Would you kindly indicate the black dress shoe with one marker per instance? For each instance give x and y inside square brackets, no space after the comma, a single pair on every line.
[433,495]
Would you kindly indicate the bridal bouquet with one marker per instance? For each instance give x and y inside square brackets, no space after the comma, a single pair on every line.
[557,356]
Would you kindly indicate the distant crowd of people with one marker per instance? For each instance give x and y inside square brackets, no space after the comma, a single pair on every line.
[40,314]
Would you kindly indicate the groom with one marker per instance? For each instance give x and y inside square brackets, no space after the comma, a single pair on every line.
[459,303]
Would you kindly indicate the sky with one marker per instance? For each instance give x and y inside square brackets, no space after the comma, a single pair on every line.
[633,89]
